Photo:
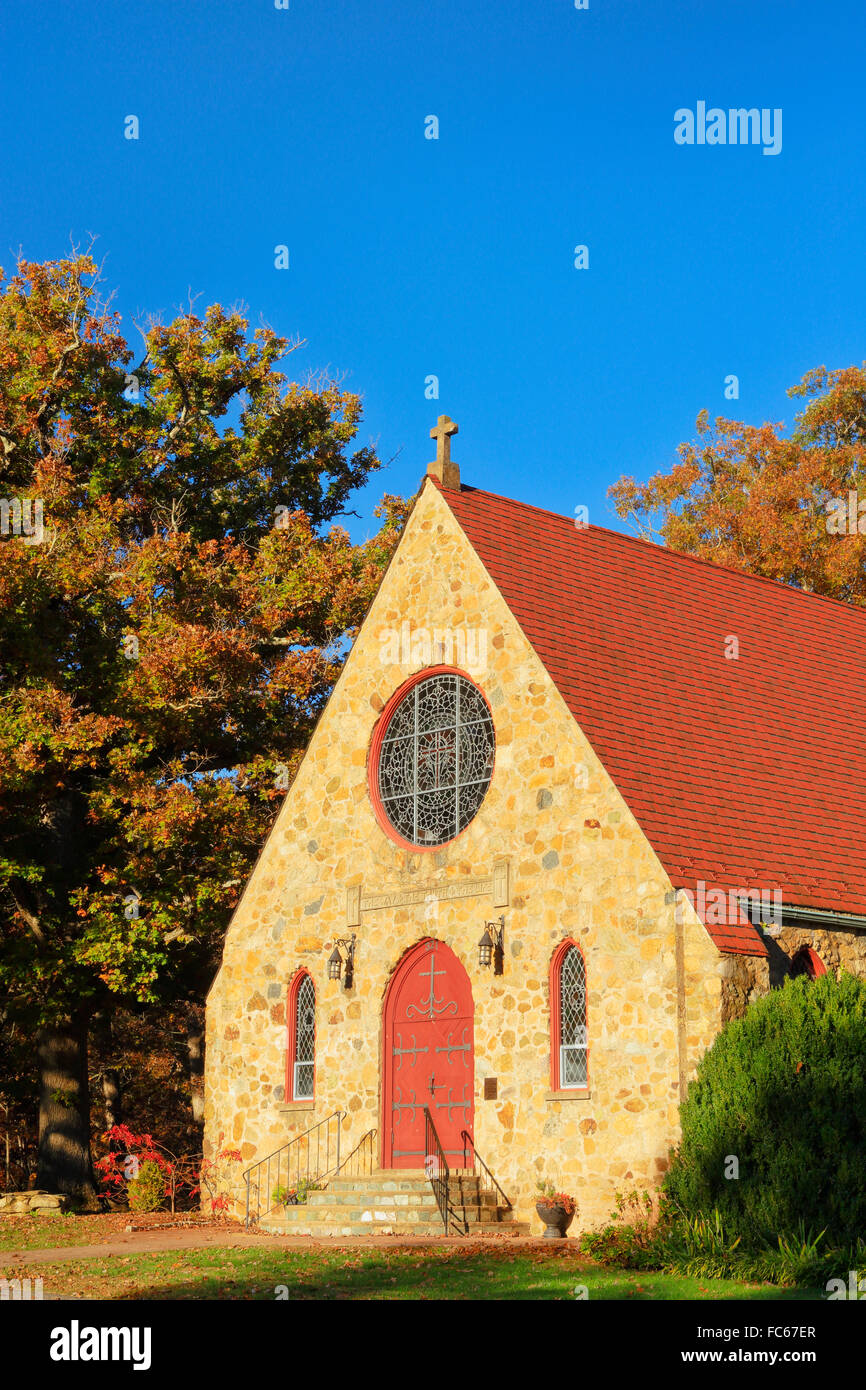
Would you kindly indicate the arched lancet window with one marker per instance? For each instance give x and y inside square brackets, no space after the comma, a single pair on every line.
[302,1038]
[807,962]
[569,1043]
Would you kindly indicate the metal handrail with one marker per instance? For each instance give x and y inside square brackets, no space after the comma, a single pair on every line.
[366,1161]
[478,1161]
[312,1172]
[436,1168]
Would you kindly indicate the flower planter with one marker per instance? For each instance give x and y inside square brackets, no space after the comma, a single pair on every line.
[557,1220]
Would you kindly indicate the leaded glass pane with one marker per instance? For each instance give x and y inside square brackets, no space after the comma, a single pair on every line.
[437,702]
[475,756]
[468,804]
[572,1017]
[303,1081]
[402,722]
[437,763]
[397,769]
[436,760]
[572,1067]
[305,1039]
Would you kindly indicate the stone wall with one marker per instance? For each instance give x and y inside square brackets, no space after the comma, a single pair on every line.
[747,977]
[33,1203]
[579,867]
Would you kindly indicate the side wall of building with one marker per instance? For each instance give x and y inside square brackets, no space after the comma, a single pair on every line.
[747,977]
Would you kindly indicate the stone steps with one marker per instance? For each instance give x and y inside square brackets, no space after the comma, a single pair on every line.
[379,1221]
[324,1230]
[398,1197]
[351,1197]
[359,1210]
[405,1181]
[389,1179]
[393,1202]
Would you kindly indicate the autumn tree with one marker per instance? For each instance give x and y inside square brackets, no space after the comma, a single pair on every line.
[791,509]
[175,606]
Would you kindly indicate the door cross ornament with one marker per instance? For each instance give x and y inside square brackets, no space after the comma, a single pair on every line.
[456,1047]
[413,1051]
[413,1104]
[450,1104]
[432,1006]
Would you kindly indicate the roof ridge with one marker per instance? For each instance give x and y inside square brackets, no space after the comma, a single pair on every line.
[777,584]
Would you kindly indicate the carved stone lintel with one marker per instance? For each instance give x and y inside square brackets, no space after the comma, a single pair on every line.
[446,890]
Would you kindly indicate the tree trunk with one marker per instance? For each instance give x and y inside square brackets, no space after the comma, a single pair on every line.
[112,1092]
[112,1097]
[195,1064]
[64,1163]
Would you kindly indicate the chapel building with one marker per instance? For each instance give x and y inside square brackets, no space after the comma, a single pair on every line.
[574,801]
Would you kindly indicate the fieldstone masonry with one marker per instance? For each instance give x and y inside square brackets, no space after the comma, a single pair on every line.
[747,977]
[555,829]
[33,1203]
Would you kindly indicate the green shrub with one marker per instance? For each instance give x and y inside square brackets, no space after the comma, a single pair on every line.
[628,1241]
[783,1091]
[294,1196]
[701,1248]
[147,1190]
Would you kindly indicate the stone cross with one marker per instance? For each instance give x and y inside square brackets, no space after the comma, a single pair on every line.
[445,470]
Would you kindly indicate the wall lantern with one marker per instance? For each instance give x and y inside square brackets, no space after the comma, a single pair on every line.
[490,947]
[335,962]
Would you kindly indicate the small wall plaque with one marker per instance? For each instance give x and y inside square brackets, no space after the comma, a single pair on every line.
[500,884]
[353,907]
[491,1087]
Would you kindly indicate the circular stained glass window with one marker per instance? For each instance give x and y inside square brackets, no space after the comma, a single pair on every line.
[434,760]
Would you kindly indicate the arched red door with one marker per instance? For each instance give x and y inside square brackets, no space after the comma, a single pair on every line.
[428,1056]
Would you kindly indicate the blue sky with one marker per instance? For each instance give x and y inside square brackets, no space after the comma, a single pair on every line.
[455,257]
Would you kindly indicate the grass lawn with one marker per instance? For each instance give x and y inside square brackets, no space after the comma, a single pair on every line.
[52,1232]
[474,1272]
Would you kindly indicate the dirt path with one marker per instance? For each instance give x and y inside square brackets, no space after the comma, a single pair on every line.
[154,1242]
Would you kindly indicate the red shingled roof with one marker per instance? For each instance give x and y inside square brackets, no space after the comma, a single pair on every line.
[744,774]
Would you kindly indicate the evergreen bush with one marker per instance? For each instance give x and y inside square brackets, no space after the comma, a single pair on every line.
[147,1190]
[780,1100]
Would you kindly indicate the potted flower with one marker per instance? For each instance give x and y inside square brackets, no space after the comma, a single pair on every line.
[556,1210]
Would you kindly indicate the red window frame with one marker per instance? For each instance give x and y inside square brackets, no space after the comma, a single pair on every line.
[292,1026]
[555,987]
[376,747]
